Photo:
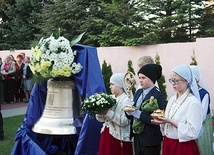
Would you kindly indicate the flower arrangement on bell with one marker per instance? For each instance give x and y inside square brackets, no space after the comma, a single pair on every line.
[54,57]
[54,60]
[97,103]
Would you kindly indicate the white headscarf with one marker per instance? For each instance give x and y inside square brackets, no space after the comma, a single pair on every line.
[185,72]
[118,80]
[198,76]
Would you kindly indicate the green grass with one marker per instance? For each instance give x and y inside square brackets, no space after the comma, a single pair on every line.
[11,124]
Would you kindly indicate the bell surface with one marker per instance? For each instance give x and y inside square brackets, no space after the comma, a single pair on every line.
[61,115]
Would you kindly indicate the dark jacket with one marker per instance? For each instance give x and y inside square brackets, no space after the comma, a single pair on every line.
[151,134]
[29,74]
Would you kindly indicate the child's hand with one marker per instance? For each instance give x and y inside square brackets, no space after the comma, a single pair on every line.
[136,113]
[130,113]
[156,121]
[128,103]
[160,120]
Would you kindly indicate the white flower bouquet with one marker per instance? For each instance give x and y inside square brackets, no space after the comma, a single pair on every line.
[97,103]
[54,57]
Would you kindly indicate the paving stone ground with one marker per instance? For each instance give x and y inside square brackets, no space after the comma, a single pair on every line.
[15,109]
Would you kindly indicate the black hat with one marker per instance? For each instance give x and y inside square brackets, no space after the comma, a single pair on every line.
[152,71]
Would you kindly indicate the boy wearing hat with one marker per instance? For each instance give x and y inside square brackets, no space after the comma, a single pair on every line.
[148,142]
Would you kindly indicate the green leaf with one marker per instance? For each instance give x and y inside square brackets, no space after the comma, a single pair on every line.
[56,34]
[77,39]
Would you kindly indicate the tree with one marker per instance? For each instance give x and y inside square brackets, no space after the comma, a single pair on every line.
[193,57]
[161,82]
[130,67]
[64,15]
[121,20]
[106,22]
[107,73]
[3,19]
[20,26]
[206,28]
[171,21]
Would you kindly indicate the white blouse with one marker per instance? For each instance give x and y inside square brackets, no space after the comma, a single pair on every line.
[116,121]
[186,111]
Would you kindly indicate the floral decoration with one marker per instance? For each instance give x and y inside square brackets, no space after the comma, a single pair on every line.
[97,103]
[54,57]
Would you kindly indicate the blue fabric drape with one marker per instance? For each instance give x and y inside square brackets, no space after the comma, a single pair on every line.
[88,81]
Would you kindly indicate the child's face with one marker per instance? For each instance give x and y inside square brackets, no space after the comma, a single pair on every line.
[178,83]
[115,90]
[145,82]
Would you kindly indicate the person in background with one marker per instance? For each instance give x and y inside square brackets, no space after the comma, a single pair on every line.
[1,61]
[148,142]
[23,56]
[205,139]
[116,127]
[27,78]
[183,116]
[1,101]
[19,93]
[1,126]
[144,60]
[12,58]
[1,85]
[8,70]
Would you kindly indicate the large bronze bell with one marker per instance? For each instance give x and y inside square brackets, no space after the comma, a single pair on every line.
[61,114]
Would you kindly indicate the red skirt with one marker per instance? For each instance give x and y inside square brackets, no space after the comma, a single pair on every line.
[174,147]
[111,146]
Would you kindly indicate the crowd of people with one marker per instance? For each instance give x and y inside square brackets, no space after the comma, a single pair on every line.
[16,79]
[185,129]
[16,82]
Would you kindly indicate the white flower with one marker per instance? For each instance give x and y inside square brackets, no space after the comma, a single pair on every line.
[54,45]
[59,53]
[98,102]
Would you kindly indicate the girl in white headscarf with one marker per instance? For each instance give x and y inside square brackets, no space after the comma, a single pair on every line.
[205,140]
[115,137]
[183,116]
